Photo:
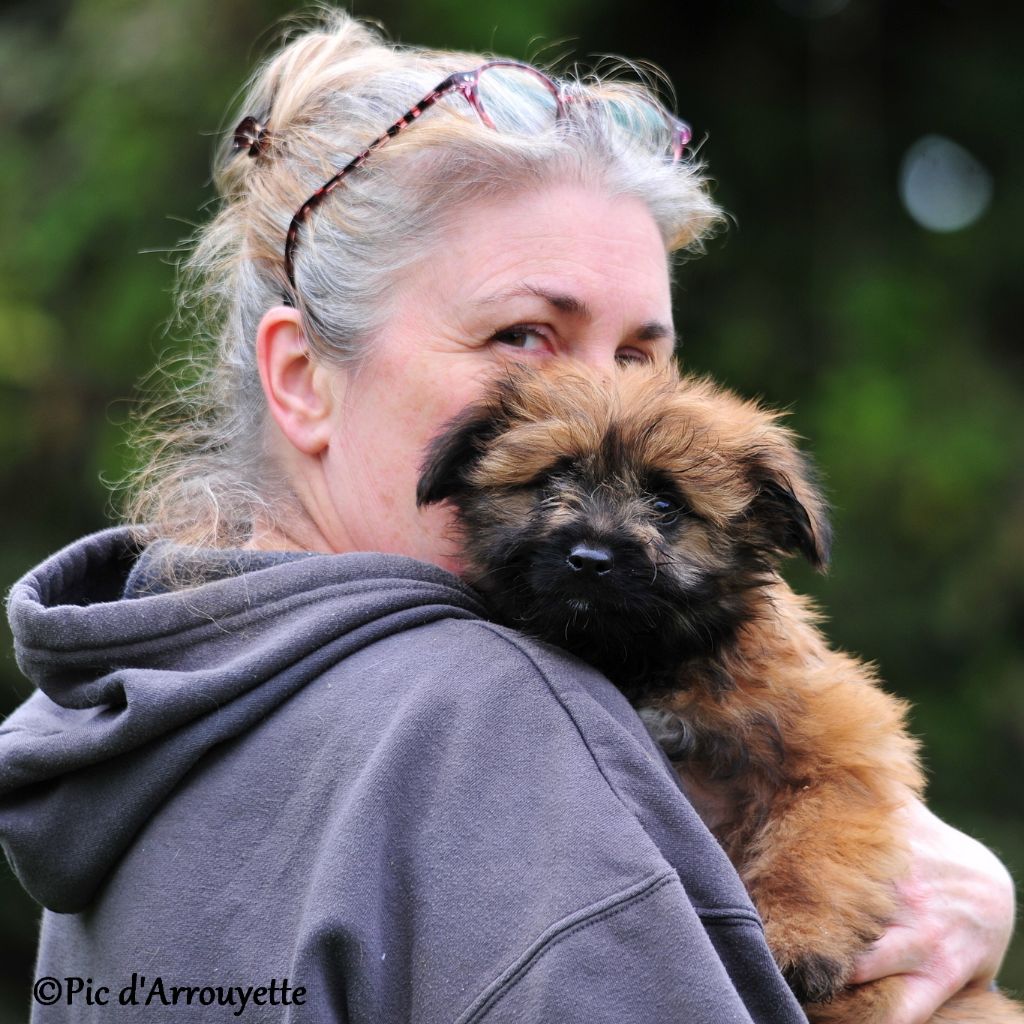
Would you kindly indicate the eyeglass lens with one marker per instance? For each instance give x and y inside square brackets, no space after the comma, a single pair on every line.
[516,100]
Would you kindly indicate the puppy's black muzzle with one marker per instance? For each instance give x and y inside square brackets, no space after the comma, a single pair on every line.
[590,560]
[575,565]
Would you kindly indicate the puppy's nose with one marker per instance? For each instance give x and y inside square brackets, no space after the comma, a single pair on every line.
[593,560]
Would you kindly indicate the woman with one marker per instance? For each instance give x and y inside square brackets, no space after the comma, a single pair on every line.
[278,757]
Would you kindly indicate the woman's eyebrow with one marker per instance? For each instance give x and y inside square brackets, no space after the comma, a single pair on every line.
[655,330]
[572,305]
[569,304]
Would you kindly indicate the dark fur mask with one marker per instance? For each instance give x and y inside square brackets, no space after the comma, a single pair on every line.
[627,519]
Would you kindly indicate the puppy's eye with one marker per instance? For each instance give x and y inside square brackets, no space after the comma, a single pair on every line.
[553,477]
[667,511]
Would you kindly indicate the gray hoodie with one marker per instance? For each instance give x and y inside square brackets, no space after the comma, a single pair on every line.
[325,788]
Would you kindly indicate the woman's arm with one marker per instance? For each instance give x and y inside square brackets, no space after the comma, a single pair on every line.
[956,920]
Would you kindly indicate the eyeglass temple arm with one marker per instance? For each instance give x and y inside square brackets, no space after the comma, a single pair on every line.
[461,80]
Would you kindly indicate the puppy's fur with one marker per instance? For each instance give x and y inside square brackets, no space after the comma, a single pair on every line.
[639,523]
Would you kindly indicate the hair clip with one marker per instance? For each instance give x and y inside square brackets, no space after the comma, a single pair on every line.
[250,135]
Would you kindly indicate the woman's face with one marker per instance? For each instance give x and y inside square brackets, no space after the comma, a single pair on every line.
[563,273]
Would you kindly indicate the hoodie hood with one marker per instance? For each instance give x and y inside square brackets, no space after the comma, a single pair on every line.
[137,679]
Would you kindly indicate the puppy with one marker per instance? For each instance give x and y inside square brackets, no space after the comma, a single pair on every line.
[639,523]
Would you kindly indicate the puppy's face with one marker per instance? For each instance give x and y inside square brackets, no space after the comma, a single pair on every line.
[626,519]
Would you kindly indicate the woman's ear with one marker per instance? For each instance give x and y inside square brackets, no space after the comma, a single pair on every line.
[300,392]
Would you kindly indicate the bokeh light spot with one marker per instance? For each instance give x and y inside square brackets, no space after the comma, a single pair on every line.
[942,186]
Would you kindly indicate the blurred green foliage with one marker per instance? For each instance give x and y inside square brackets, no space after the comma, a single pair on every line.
[898,349]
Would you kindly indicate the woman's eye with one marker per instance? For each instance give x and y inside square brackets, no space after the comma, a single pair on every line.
[522,336]
[633,355]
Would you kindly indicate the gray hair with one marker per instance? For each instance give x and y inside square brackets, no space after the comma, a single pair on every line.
[331,89]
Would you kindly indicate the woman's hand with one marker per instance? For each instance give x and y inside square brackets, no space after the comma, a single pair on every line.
[955,921]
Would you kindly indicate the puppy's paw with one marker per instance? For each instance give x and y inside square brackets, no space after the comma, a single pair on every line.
[670,731]
[815,978]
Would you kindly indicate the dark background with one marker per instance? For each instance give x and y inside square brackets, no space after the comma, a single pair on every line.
[898,347]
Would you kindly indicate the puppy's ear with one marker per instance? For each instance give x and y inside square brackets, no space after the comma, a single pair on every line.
[453,453]
[788,507]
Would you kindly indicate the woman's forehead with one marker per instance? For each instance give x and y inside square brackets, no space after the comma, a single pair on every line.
[569,247]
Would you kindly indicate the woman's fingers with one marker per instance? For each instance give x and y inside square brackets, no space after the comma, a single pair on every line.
[954,922]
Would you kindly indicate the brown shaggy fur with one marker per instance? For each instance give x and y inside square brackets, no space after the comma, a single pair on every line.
[639,522]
